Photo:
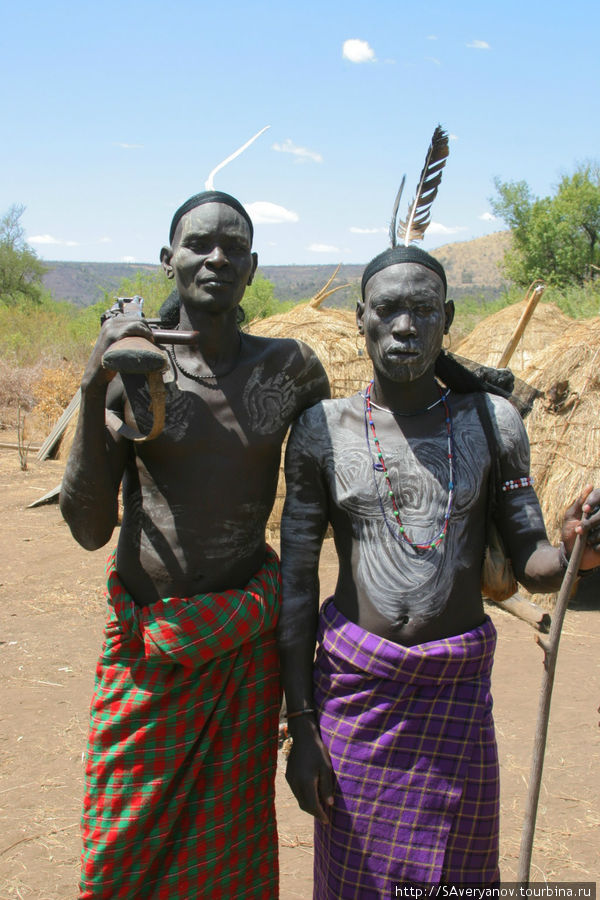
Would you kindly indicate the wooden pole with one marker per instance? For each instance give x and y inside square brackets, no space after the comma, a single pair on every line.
[550,648]
[527,611]
[532,298]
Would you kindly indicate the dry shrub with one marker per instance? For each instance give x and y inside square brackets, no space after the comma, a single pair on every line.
[17,385]
[54,390]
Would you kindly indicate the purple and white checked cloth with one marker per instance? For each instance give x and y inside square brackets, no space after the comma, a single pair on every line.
[411,738]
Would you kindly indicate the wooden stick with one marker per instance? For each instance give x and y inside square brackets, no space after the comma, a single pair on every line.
[527,611]
[550,648]
[7,445]
[532,297]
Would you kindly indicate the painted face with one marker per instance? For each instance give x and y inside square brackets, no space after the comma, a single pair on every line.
[212,261]
[404,319]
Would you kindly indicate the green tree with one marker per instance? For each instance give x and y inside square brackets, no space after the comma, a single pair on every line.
[258,302]
[555,238]
[259,299]
[20,270]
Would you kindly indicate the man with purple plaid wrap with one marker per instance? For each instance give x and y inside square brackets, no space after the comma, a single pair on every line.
[179,798]
[393,741]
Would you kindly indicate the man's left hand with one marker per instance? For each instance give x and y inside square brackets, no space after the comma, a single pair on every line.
[588,505]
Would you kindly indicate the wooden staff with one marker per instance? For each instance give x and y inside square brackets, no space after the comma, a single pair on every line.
[533,296]
[550,648]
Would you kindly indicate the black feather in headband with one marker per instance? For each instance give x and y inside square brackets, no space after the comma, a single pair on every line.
[419,212]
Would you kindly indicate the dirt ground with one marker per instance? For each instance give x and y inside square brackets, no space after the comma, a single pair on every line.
[51,617]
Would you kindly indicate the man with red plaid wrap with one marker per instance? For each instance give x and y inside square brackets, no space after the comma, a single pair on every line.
[181,757]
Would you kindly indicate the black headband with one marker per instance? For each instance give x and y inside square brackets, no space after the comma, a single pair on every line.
[394,255]
[209,197]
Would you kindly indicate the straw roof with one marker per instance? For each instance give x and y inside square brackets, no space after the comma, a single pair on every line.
[332,334]
[564,425]
[488,339]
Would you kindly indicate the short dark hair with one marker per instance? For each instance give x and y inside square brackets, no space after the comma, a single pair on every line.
[209,197]
[395,255]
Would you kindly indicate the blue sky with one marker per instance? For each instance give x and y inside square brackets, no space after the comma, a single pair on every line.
[114,113]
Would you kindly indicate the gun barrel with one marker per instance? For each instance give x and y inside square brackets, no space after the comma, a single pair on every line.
[173,336]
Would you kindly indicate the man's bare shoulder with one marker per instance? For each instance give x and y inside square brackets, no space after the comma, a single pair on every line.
[509,430]
[505,416]
[281,349]
[329,415]
[509,424]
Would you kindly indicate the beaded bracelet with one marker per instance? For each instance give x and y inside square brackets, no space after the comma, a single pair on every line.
[301,712]
[515,483]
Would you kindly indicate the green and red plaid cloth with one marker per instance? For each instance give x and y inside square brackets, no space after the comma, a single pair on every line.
[181,758]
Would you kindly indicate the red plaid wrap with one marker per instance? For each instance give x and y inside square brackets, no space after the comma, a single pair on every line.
[179,799]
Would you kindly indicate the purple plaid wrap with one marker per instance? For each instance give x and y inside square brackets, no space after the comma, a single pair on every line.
[411,739]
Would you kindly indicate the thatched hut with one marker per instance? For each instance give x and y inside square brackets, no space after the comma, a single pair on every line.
[487,341]
[333,336]
[564,425]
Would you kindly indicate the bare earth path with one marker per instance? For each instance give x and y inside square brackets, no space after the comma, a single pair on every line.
[51,617]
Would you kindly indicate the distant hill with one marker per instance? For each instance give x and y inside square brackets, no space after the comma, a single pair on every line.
[475,263]
[471,268]
[85,283]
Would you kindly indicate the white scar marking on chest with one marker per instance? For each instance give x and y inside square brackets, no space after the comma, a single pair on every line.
[269,400]
[397,576]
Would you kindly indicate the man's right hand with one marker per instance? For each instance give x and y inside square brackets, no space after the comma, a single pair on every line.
[115,328]
[309,772]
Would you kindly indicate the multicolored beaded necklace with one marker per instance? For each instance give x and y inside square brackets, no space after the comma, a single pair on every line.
[400,535]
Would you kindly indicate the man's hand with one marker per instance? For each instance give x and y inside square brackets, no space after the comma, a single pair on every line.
[309,772]
[113,330]
[587,504]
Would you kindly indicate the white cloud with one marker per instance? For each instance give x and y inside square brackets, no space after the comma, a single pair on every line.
[323,248]
[124,146]
[302,154]
[358,51]
[487,217]
[479,45]
[49,239]
[356,230]
[432,37]
[105,240]
[438,228]
[43,239]
[433,60]
[129,259]
[264,213]
[452,137]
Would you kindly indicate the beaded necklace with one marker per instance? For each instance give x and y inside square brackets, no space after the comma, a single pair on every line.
[379,465]
[202,379]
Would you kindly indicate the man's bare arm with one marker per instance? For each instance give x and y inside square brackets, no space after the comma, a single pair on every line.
[312,382]
[304,522]
[538,565]
[90,487]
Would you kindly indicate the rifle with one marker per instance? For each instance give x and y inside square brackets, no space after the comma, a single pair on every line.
[139,356]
